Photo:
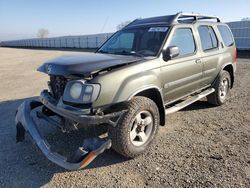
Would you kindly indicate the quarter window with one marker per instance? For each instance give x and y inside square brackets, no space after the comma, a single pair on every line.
[226,35]
[208,38]
[183,38]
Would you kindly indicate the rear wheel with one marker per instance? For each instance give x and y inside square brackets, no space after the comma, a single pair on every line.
[222,88]
[136,129]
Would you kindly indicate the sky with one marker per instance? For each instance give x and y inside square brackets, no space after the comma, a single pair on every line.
[20,19]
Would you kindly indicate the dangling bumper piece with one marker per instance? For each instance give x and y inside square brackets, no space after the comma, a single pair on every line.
[90,149]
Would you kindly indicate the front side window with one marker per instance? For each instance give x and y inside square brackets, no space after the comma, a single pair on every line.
[183,38]
[144,41]
[208,38]
[226,35]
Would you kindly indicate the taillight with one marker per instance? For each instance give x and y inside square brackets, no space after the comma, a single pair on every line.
[235,55]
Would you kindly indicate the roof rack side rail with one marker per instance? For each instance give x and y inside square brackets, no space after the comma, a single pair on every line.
[195,16]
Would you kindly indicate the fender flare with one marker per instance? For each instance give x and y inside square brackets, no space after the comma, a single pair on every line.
[159,103]
[231,74]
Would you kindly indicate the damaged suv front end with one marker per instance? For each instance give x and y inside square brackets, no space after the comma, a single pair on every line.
[75,103]
[70,96]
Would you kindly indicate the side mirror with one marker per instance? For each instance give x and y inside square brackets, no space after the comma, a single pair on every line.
[170,53]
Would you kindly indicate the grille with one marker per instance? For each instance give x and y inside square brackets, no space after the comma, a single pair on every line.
[57,85]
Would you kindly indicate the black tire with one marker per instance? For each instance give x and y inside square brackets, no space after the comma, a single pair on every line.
[120,134]
[216,97]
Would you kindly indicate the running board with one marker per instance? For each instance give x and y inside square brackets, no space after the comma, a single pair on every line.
[189,101]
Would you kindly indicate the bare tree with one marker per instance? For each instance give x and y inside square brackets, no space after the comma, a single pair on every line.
[122,25]
[42,33]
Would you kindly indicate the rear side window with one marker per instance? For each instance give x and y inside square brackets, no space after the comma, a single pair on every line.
[226,35]
[183,38]
[213,37]
[208,38]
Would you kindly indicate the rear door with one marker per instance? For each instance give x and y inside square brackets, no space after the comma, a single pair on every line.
[181,75]
[210,53]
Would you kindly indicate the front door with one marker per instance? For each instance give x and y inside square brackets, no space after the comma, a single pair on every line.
[183,74]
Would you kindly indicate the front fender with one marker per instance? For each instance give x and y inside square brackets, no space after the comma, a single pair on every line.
[135,84]
[119,85]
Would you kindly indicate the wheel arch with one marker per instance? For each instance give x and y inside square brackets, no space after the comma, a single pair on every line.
[154,93]
[229,68]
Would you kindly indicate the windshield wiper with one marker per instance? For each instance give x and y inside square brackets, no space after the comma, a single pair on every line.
[122,53]
[137,54]
[130,53]
[103,52]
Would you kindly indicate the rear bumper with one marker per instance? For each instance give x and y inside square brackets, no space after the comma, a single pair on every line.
[82,116]
[25,123]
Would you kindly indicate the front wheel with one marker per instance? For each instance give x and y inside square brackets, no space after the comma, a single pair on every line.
[222,88]
[136,129]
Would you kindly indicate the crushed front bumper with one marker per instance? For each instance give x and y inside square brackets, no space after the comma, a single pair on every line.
[76,114]
[91,147]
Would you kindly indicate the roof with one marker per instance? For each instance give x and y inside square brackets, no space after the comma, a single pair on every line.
[171,19]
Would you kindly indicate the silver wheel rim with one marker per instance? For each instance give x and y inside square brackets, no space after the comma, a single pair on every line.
[142,128]
[224,87]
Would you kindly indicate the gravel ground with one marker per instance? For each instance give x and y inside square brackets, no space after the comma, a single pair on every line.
[200,146]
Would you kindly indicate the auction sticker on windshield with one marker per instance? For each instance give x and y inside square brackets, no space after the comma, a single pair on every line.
[158,29]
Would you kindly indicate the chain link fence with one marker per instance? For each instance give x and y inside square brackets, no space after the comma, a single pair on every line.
[83,41]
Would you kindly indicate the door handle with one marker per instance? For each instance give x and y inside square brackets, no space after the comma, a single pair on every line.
[198,61]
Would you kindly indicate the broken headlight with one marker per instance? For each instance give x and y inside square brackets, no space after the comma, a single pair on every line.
[80,92]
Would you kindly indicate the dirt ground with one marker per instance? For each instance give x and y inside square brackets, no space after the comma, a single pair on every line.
[200,146]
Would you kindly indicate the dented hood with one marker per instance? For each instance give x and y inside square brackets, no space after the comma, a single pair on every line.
[84,64]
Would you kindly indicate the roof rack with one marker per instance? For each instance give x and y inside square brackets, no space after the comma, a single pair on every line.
[193,16]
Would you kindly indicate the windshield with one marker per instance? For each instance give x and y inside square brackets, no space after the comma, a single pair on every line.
[144,41]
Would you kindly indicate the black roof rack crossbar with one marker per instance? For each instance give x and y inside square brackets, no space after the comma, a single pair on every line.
[193,16]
